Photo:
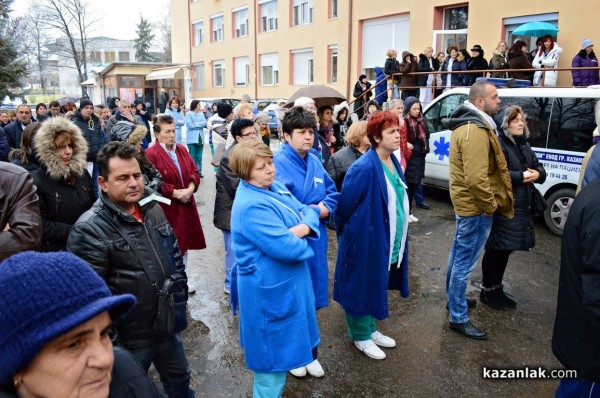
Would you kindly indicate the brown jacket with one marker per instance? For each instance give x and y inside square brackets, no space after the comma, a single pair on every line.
[479,178]
[20,221]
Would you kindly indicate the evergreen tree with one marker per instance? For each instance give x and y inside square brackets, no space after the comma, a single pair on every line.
[144,41]
[12,69]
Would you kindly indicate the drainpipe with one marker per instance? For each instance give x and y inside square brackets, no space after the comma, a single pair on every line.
[350,2]
[255,51]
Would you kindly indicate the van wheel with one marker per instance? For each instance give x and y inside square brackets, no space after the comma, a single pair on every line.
[559,204]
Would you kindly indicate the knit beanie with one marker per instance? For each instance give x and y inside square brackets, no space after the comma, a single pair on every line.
[43,296]
[408,102]
[85,102]
[585,43]
[261,117]
[224,110]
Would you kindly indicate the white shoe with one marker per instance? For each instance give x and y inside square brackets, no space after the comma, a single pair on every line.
[299,372]
[315,369]
[227,291]
[382,341]
[370,349]
[412,219]
[191,288]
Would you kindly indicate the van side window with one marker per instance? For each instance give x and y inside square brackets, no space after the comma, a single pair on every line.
[538,114]
[442,110]
[572,124]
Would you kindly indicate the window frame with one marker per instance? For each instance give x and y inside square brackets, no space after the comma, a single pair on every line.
[333,63]
[239,26]
[246,71]
[334,9]
[274,72]
[268,22]
[217,35]
[221,64]
[309,66]
[198,29]
[302,12]
[199,82]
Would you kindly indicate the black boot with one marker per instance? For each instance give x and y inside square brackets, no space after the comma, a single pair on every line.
[505,298]
[491,298]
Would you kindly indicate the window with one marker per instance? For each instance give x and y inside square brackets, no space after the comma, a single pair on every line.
[512,23]
[303,66]
[572,124]
[269,69]
[95,57]
[537,110]
[441,110]
[333,9]
[379,35]
[242,71]
[109,56]
[456,18]
[240,22]
[333,64]
[131,81]
[217,28]
[124,56]
[219,73]
[302,12]
[268,16]
[199,76]
[198,26]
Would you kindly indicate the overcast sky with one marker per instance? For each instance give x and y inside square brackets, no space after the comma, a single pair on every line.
[118,17]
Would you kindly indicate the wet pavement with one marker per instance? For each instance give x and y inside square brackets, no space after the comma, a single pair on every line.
[429,360]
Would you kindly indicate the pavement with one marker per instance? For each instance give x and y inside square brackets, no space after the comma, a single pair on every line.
[429,360]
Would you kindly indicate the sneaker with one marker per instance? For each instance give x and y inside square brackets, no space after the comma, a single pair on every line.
[315,369]
[370,349]
[191,288]
[299,372]
[382,341]
[412,219]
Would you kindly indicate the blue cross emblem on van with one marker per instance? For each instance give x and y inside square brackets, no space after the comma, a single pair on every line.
[442,148]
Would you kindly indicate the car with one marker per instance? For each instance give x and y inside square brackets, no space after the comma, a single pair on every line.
[207,103]
[561,123]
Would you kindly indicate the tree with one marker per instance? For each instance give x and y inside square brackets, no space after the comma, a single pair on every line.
[36,43]
[12,68]
[144,41]
[72,20]
[164,39]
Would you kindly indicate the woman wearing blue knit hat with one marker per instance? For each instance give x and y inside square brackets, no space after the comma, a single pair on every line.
[55,315]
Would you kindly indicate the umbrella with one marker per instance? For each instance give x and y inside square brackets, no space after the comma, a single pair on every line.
[322,95]
[536,29]
[65,100]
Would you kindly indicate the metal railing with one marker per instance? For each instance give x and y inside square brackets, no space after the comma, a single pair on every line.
[479,71]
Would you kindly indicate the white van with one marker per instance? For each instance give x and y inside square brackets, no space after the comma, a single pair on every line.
[560,121]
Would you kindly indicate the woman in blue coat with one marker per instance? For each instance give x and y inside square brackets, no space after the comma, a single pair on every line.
[194,138]
[453,64]
[303,174]
[374,198]
[271,281]
[174,109]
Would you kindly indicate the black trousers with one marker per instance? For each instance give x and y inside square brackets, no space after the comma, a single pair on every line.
[493,266]
[412,190]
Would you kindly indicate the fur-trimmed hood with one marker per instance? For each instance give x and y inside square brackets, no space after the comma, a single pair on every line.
[337,109]
[48,154]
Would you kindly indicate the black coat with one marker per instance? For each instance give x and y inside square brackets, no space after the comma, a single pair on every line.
[92,131]
[4,146]
[116,245]
[227,183]
[14,131]
[423,66]
[129,380]
[475,63]
[575,339]
[517,233]
[362,97]
[61,204]
[392,66]
[340,162]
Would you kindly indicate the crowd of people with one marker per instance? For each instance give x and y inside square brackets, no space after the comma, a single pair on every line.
[115,188]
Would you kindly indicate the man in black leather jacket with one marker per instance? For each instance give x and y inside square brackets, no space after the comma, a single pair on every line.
[128,241]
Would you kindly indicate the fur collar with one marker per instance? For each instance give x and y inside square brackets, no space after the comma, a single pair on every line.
[47,152]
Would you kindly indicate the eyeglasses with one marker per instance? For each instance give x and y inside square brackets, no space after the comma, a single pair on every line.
[252,134]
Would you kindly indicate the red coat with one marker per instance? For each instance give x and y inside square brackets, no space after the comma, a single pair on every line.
[183,217]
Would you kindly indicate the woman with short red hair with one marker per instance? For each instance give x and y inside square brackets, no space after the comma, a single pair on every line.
[374,199]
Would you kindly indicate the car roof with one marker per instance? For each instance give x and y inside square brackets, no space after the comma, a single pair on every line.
[568,92]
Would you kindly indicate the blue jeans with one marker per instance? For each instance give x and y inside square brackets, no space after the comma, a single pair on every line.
[419,196]
[471,235]
[575,388]
[169,359]
[268,385]
[229,258]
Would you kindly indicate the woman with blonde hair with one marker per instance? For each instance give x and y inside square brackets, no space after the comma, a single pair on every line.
[340,162]
[278,320]
[392,66]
